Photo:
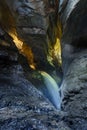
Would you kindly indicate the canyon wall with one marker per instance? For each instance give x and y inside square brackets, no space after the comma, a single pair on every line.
[30,36]
[74,56]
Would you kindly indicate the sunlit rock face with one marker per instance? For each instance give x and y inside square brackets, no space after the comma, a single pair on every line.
[30,28]
[74,55]
[33,23]
[35,28]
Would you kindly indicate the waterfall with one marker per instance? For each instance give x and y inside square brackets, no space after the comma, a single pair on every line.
[51,88]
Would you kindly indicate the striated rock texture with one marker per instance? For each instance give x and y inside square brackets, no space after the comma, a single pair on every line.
[34,26]
[74,55]
[32,22]
[31,26]
[22,106]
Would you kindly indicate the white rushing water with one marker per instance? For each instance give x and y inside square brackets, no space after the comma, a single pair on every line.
[52,89]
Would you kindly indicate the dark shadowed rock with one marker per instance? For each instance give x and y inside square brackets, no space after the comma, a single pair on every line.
[21,105]
[34,22]
[74,49]
[35,25]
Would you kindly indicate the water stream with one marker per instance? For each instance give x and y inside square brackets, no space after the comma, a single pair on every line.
[51,88]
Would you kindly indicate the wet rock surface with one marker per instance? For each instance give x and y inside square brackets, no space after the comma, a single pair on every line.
[74,90]
[22,106]
[74,54]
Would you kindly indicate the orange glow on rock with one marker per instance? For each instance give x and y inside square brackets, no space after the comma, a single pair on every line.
[24,49]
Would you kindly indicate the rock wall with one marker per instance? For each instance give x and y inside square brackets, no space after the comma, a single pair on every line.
[74,54]
[33,23]
[34,26]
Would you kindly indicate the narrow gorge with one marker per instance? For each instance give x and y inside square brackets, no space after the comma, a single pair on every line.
[43,64]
